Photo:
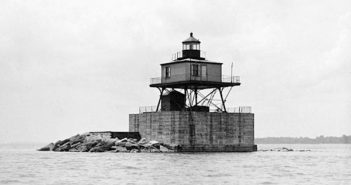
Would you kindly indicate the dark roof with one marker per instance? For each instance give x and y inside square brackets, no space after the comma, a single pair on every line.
[188,60]
[191,39]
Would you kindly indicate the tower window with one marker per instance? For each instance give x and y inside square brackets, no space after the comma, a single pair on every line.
[195,70]
[168,72]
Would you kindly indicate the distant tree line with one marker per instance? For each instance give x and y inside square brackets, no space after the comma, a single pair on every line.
[305,140]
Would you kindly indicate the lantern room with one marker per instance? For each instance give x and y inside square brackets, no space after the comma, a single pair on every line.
[191,48]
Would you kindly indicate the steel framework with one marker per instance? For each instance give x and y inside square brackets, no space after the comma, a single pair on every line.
[199,97]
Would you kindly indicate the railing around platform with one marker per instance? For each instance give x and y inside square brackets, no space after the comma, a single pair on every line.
[147,109]
[241,109]
[156,80]
[231,79]
[244,109]
[207,78]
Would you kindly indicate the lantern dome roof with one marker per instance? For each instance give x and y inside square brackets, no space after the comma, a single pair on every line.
[191,39]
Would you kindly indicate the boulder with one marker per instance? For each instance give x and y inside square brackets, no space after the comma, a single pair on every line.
[90,145]
[150,149]
[75,145]
[154,150]
[64,148]
[169,147]
[122,144]
[134,151]
[145,145]
[130,146]
[142,141]
[102,146]
[119,149]
[58,144]
[63,142]
[73,150]
[77,139]
[155,144]
[97,149]
[48,147]
[83,148]
[107,145]
[133,141]
[124,140]
[164,149]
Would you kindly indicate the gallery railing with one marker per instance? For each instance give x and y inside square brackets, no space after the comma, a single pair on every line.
[241,109]
[156,80]
[231,79]
[208,78]
[147,109]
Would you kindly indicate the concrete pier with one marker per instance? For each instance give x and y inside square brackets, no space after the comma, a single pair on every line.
[197,131]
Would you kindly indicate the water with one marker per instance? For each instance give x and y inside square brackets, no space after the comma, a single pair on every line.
[324,164]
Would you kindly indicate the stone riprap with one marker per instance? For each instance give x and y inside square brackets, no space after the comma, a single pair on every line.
[103,143]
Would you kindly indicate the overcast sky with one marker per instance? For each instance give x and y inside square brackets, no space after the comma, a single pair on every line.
[70,66]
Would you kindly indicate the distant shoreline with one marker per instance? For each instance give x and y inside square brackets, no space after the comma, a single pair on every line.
[305,140]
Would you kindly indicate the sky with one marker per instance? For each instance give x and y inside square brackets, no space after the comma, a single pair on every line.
[73,66]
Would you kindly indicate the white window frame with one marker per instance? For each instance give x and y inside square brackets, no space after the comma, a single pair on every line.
[193,70]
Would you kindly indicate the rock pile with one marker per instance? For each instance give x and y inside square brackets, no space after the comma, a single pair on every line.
[93,143]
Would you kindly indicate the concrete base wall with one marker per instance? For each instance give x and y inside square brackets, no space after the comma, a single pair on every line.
[197,131]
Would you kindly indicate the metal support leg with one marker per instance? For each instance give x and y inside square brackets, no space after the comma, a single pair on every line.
[159,100]
[223,103]
[195,97]
[186,96]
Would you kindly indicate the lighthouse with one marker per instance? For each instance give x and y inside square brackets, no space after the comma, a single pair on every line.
[191,112]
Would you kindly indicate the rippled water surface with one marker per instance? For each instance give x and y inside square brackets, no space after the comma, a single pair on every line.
[324,164]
